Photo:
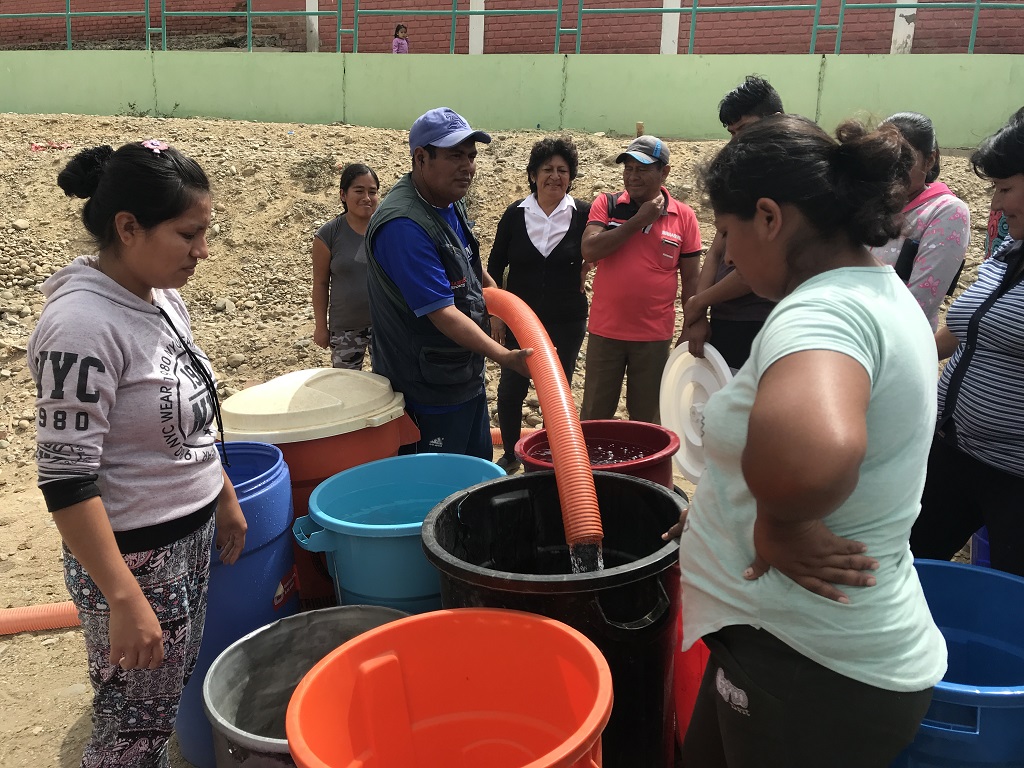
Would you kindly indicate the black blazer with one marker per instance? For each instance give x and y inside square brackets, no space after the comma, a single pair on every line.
[550,286]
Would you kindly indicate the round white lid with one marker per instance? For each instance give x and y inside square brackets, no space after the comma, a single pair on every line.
[310,404]
[686,385]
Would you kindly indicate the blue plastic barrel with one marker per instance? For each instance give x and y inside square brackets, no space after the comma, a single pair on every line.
[367,521]
[258,589]
[976,718]
[979,548]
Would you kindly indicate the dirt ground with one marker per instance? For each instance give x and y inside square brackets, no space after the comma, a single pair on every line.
[274,184]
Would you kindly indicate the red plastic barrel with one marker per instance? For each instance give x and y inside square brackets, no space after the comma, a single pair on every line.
[470,687]
[324,420]
[633,448]
[688,672]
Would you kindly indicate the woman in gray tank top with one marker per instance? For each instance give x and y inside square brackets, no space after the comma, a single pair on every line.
[341,308]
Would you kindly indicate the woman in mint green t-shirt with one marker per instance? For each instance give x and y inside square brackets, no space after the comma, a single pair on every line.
[796,569]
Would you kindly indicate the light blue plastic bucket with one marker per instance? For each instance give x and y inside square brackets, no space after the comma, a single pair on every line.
[367,521]
[258,589]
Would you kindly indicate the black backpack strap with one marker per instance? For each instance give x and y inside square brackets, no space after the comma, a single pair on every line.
[956,279]
[612,199]
[905,261]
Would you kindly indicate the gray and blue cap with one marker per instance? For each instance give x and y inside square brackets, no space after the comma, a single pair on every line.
[646,150]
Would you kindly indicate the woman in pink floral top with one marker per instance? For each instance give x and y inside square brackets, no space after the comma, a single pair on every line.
[935,218]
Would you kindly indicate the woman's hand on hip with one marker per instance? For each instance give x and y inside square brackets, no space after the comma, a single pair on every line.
[811,555]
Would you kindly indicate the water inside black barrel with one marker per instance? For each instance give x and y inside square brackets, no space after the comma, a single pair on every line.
[554,560]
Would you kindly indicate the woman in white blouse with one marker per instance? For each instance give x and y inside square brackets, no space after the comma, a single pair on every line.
[536,255]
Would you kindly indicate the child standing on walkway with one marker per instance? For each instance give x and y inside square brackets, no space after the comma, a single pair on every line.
[401,42]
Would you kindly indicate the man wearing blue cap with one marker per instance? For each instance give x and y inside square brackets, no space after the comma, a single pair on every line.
[431,329]
[643,241]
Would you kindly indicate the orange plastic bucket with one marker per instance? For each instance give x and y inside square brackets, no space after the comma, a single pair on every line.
[461,688]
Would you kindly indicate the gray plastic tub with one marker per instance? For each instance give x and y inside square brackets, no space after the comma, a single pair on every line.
[247,689]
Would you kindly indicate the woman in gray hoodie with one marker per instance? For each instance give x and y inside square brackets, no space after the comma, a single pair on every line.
[126,455]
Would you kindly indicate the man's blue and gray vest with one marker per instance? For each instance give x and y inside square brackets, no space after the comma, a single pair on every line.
[420,361]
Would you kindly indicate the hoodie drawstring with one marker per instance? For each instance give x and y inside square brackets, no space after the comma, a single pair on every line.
[208,382]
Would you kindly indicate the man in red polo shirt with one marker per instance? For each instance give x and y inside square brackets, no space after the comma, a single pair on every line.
[645,243]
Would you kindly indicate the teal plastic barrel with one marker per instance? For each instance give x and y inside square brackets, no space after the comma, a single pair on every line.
[258,589]
[367,521]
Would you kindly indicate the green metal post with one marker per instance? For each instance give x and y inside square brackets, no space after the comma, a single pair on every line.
[558,25]
[839,26]
[579,26]
[974,26]
[163,25]
[337,28]
[814,25]
[355,26]
[693,25]
[455,8]
[248,24]
[67,22]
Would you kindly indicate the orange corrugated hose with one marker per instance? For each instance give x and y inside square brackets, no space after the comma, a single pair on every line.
[34,618]
[573,473]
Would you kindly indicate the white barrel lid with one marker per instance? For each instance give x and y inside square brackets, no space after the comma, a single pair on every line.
[686,385]
[310,404]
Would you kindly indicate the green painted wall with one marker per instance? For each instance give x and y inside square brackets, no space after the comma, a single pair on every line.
[675,96]
[967,97]
[500,92]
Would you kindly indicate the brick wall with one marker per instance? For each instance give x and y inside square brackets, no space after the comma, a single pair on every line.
[864,31]
[427,34]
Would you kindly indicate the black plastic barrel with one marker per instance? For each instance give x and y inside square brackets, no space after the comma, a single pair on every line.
[501,544]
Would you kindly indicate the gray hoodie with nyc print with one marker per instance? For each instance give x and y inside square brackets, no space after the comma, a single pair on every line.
[119,398]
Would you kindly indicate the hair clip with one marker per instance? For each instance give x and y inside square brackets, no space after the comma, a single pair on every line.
[156,145]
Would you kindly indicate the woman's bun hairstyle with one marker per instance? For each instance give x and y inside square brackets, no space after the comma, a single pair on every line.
[150,180]
[872,172]
[856,185]
[81,176]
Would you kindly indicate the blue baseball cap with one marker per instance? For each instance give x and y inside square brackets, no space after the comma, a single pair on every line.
[442,127]
[645,149]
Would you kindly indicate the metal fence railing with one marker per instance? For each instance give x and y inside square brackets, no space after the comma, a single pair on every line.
[691,8]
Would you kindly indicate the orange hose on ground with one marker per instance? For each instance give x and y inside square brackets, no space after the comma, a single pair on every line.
[573,473]
[496,434]
[33,618]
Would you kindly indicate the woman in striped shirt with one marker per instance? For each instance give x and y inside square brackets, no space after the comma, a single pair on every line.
[976,465]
